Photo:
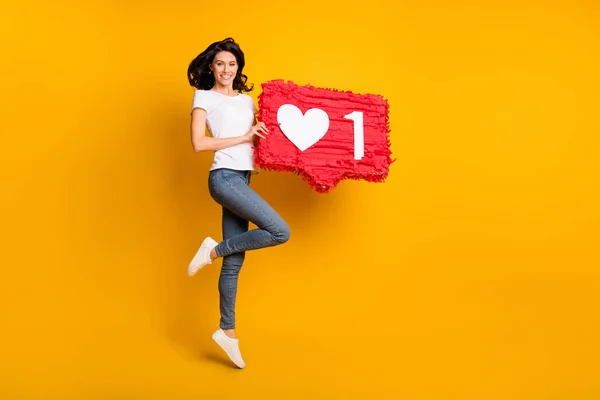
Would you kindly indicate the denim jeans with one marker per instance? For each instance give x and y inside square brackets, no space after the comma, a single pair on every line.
[241,205]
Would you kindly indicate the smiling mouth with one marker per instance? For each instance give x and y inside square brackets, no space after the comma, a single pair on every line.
[226,76]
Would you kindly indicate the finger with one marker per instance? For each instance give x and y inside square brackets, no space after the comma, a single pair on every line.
[264,130]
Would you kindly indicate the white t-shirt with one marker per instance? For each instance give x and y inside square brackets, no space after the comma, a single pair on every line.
[226,117]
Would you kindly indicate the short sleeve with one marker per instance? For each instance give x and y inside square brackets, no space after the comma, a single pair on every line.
[201,100]
[251,103]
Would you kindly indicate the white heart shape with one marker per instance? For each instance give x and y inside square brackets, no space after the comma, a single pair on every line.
[302,130]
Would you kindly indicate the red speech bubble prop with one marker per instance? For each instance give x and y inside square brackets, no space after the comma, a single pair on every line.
[324,135]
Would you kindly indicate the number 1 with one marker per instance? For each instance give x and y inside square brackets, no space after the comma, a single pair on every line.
[359,133]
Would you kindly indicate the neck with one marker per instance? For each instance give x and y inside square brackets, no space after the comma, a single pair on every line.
[228,90]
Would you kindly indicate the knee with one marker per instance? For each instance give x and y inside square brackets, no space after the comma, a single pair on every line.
[233,263]
[282,233]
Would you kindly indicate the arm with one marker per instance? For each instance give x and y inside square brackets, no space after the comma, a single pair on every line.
[201,142]
[255,138]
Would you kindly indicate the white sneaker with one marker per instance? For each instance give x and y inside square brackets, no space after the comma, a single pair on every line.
[202,256]
[230,346]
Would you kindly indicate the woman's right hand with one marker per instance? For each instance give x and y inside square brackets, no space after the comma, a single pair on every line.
[260,130]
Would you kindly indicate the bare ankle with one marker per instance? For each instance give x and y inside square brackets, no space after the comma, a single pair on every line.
[230,333]
[213,254]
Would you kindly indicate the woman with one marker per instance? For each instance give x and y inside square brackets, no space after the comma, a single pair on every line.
[220,104]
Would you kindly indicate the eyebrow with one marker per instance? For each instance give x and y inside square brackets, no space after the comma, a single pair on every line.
[224,61]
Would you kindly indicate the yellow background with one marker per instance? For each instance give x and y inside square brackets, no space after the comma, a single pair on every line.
[472,273]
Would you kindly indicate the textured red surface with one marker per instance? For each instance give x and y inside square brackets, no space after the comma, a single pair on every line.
[331,159]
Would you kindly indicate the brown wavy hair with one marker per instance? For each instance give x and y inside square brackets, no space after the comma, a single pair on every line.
[199,75]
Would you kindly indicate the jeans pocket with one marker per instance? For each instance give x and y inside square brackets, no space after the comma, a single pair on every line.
[221,180]
[214,182]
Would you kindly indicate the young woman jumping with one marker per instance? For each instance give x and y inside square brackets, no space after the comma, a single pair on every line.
[221,105]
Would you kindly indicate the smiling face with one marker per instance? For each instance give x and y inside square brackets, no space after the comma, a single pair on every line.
[224,67]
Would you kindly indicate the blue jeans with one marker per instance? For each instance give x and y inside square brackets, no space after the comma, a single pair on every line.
[240,204]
